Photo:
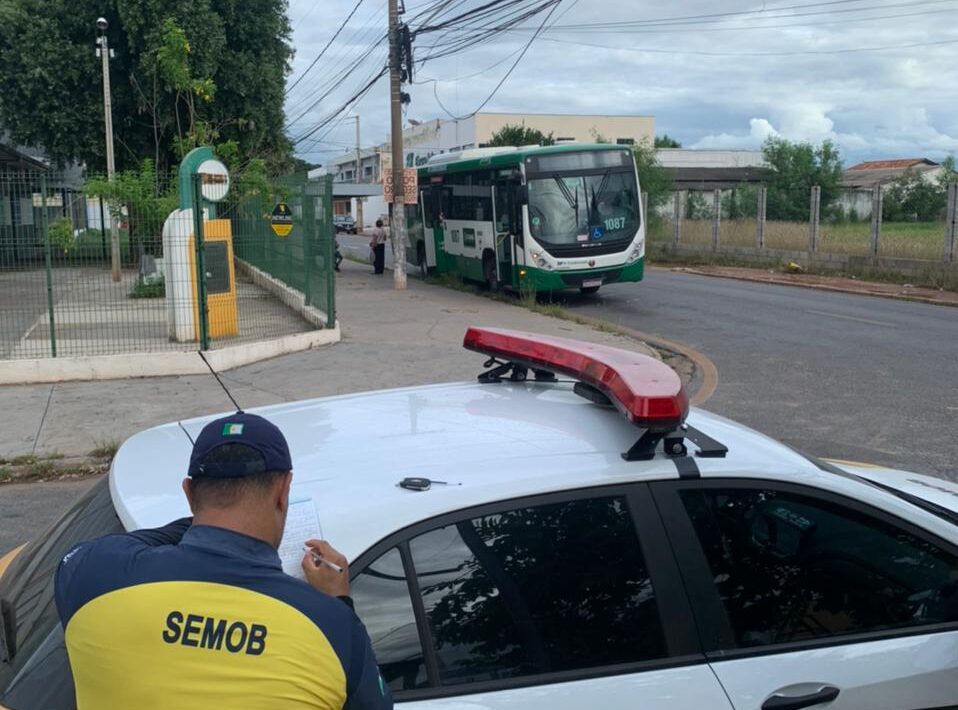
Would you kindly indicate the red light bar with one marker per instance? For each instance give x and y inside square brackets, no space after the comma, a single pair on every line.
[647,391]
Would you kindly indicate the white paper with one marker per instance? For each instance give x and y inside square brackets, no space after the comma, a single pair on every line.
[302,524]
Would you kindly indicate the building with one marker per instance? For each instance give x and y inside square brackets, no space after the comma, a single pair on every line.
[874,173]
[707,170]
[424,139]
[859,181]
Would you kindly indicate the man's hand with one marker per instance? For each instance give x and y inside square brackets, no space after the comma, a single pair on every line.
[323,577]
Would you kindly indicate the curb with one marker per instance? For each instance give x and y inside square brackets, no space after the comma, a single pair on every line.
[817,287]
[705,375]
[111,367]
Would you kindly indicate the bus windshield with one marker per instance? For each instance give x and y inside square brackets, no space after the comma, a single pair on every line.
[585,210]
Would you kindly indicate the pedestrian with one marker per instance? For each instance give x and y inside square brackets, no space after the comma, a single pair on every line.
[378,247]
[199,614]
[338,255]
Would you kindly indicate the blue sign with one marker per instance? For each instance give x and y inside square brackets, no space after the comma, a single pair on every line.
[597,233]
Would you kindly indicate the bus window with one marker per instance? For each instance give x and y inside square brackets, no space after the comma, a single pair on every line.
[505,207]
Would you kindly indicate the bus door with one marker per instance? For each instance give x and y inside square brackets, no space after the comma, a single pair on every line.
[426,250]
[508,226]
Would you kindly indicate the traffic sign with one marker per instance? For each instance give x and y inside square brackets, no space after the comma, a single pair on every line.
[282,220]
[410,186]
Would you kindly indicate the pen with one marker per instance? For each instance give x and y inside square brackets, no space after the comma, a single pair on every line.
[322,560]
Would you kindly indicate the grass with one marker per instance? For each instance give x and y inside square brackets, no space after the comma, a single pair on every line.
[105,449]
[904,240]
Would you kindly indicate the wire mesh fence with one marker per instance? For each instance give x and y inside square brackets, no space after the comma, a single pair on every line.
[844,221]
[82,273]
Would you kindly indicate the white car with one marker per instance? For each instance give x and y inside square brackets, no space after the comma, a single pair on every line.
[530,541]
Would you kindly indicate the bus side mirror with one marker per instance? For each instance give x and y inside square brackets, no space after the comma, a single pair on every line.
[522,195]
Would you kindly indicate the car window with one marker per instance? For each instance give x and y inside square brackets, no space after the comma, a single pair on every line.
[535,590]
[790,567]
[38,675]
[383,603]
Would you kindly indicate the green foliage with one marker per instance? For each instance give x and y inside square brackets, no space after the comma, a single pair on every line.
[148,289]
[798,167]
[697,206]
[520,136]
[740,202]
[228,58]
[654,180]
[60,232]
[666,141]
[140,197]
[912,198]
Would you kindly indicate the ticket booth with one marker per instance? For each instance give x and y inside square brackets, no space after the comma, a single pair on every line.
[181,258]
[222,320]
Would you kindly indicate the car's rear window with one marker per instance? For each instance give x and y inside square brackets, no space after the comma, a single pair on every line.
[38,674]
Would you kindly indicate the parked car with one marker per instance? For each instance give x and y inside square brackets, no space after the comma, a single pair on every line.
[344,223]
[585,540]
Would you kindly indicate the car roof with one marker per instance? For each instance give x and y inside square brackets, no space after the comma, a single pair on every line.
[488,441]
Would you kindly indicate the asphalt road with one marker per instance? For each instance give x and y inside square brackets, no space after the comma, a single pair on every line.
[837,375]
[29,507]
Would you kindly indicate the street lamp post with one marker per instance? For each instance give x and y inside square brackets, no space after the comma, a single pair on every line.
[104,52]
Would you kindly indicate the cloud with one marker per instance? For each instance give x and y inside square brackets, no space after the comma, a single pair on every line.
[718,82]
[759,130]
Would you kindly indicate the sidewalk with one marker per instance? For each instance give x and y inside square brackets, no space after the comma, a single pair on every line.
[390,339]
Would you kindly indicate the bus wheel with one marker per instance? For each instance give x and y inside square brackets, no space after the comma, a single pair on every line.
[588,290]
[421,260]
[489,272]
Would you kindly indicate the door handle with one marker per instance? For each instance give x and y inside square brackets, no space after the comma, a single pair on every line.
[784,702]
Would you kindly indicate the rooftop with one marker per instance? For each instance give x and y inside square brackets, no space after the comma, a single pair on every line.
[902,164]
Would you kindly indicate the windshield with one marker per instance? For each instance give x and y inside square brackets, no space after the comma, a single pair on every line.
[585,209]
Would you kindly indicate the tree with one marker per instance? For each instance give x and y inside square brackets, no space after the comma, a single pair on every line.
[796,168]
[912,198]
[520,135]
[220,63]
[654,180]
[666,141]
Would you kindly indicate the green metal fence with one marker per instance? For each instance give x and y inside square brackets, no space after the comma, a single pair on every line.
[62,292]
[303,259]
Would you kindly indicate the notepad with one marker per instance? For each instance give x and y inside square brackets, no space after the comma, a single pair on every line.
[302,524]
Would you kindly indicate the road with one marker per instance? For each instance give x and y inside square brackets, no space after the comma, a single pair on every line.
[838,375]
[834,374]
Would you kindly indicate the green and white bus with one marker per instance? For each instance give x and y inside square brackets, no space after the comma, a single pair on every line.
[530,219]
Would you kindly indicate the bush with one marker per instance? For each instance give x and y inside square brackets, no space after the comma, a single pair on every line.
[151,289]
[94,245]
[60,232]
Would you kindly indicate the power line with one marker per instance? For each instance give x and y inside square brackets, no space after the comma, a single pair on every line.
[756,54]
[686,30]
[722,16]
[331,40]
[502,81]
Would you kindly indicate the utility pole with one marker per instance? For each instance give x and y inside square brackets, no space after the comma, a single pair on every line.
[104,51]
[359,167]
[399,202]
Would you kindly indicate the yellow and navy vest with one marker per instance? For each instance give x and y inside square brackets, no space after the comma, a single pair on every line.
[207,621]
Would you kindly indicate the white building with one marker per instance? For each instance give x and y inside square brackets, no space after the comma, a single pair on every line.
[422,140]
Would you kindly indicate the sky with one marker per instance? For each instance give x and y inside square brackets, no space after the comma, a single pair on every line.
[877,77]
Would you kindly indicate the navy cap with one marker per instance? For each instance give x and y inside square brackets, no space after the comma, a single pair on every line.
[239,445]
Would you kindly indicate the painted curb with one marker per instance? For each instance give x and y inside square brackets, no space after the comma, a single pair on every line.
[164,364]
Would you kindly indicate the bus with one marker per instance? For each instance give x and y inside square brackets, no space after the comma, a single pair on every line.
[538,218]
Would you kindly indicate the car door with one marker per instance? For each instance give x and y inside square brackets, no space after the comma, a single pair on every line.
[544,602]
[809,599]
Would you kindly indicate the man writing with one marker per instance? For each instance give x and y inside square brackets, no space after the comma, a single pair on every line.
[199,614]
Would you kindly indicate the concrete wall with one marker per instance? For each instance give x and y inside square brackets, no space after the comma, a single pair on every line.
[932,272]
[581,129]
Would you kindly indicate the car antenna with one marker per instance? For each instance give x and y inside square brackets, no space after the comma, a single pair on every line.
[239,409]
